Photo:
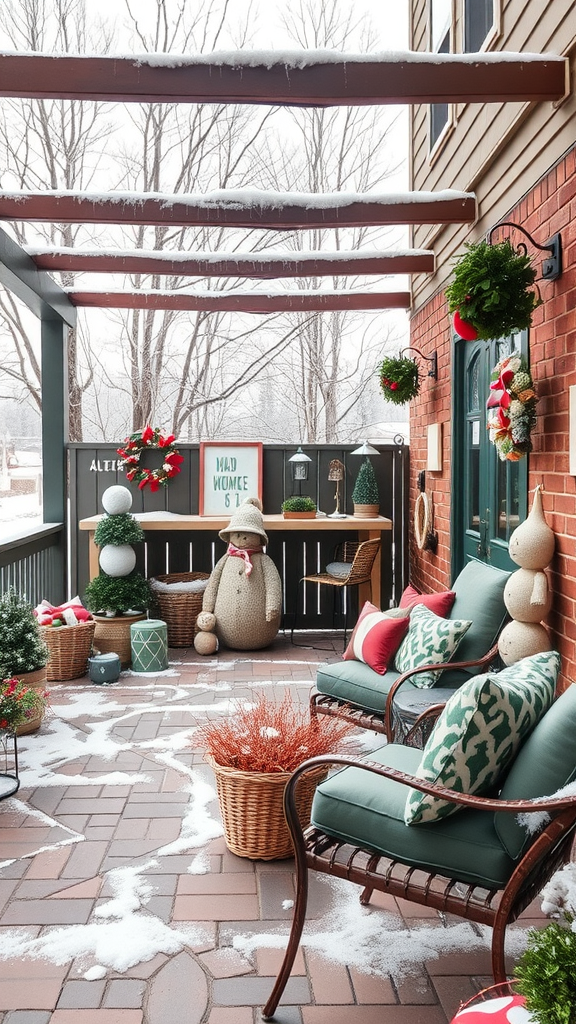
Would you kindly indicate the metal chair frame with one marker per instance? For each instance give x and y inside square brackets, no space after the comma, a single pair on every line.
[418,883]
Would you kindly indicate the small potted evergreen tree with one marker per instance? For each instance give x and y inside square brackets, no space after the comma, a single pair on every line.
[23,653]
[365,495]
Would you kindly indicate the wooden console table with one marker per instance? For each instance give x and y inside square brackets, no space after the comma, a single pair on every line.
[365,529]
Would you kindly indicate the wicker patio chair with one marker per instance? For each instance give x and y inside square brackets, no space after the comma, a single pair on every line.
[352,565]
[481,864]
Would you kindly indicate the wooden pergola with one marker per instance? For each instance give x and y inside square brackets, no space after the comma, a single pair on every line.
[311,79]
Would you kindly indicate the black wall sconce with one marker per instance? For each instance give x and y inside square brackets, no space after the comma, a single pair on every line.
[552,265]
[433,360]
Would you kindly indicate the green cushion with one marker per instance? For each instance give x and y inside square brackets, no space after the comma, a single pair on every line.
[430,640]
[367,810]
[356,683]
[480,597]
[546,763]
[480,730]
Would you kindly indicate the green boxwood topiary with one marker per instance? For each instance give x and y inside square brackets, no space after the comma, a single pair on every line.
[299,503]
[118,593]
[492,289]
[120,528]
[366,487]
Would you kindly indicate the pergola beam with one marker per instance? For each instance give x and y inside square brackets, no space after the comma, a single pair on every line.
[35,288]
[249,265]
[295,79]
[242,302]
[241,209]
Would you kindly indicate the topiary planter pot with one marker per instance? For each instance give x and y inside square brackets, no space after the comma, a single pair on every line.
[299,515]
[366,511]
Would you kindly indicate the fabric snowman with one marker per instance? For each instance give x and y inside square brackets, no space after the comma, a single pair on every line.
[244,590]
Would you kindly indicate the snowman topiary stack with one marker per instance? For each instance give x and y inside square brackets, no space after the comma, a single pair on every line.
[526,595]
[119,588]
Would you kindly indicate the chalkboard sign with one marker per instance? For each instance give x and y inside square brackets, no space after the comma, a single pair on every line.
[229,473]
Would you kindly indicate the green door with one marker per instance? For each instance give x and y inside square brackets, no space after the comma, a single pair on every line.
[489,495]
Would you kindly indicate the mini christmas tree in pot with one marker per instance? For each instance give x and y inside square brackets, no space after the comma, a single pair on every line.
[365,495]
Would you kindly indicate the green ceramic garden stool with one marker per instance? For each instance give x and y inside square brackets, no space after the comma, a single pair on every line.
[149,643]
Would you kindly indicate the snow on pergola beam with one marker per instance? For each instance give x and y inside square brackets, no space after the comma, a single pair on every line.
[242,302]
[220,264]
[298,78]
[243,208]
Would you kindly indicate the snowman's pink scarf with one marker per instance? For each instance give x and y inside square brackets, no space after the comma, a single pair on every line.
[245,554]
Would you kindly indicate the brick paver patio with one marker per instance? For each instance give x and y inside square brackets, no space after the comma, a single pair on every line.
[112,782]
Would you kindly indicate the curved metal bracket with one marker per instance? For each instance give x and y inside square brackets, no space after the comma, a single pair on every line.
[433,360]
[552,266]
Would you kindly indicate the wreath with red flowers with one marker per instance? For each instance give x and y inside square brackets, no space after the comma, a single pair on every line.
[511,408]
[145,440]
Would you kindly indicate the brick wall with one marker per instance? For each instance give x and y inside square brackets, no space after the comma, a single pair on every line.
[548,208]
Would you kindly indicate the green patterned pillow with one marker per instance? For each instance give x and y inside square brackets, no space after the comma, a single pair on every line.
[480,730]
[430,640]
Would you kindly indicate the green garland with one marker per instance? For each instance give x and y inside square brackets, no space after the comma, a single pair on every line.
[492,289]
[399,379]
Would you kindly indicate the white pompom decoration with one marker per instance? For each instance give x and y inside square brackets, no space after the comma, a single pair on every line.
[117,559]
[116,499]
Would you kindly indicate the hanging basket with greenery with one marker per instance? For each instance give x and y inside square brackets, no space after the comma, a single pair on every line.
[491,295]
[399,379]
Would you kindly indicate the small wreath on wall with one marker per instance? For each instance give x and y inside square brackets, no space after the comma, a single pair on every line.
[512,408]
[422,520]
[150,439]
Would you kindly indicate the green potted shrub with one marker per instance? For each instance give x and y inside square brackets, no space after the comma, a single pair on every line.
[546,973]
[365,495]
[22,649]
[299,507]
[23,653]
[491,295]
[399,379]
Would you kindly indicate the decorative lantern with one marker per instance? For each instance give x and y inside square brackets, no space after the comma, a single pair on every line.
[299,466]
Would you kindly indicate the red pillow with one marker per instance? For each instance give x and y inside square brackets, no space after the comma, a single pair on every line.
[440,603]
[377,636]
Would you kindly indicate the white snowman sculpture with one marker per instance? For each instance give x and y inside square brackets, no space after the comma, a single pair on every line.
[526,595]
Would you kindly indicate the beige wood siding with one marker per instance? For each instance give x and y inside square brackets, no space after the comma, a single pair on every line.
[498,151]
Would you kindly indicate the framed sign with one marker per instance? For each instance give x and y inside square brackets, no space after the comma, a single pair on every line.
[230,472]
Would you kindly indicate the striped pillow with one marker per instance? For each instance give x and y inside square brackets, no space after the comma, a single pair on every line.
[377,636]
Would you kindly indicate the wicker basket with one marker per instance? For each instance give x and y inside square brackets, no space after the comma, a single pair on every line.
[112,636]
[180,609]
[69,648]
[252,809]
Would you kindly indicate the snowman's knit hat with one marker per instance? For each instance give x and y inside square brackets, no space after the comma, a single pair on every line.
[248,518]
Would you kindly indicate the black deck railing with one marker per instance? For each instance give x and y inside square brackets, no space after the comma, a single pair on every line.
[35,564]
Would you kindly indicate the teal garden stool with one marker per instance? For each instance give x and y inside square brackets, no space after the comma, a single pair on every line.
[149,643]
